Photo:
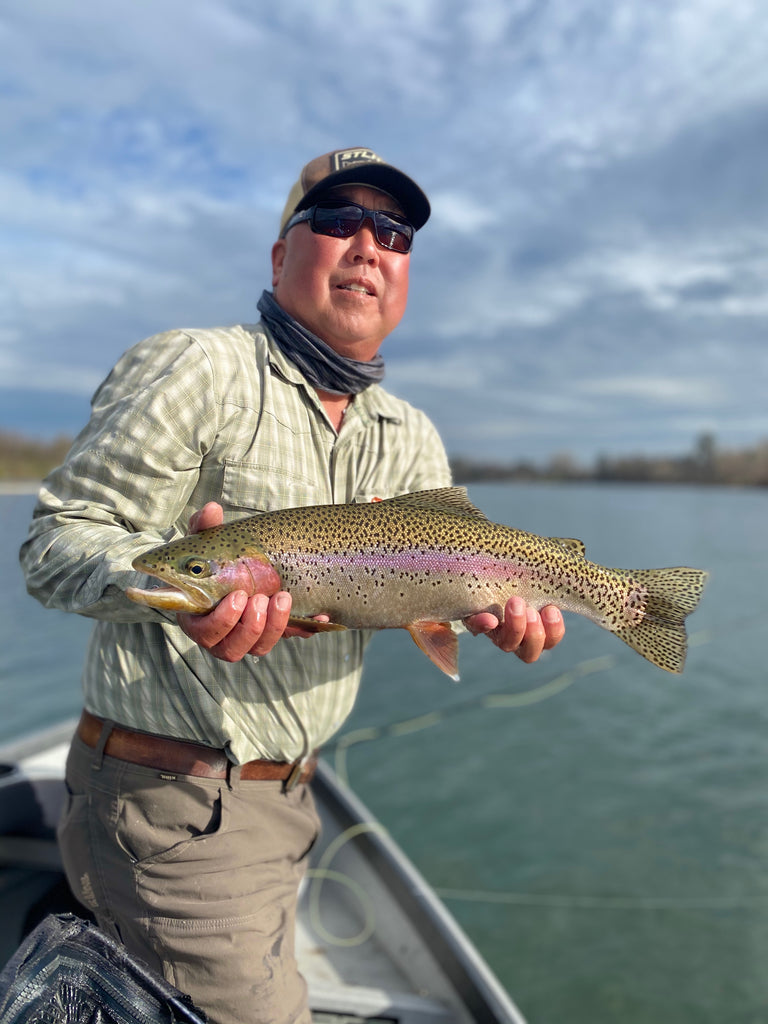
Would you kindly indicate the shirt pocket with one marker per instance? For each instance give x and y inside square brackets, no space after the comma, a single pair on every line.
[266,486]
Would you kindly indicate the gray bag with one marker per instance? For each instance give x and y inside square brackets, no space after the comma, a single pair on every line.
[67,971]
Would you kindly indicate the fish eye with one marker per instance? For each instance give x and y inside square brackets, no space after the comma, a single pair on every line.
[197,567]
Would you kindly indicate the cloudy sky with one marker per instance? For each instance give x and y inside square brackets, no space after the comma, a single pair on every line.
[593,278]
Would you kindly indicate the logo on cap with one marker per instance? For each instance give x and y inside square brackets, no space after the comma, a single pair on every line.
[352,157]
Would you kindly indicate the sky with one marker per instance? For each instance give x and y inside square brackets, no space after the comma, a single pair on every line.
[592,280]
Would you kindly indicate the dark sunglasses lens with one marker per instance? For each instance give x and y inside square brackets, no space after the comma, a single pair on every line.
[396,236]
[344,221]
[393,234]
[337,221]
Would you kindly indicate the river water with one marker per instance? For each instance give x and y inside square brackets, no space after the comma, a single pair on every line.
[599,827]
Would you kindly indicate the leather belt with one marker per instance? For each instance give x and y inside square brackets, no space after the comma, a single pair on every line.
[181,757]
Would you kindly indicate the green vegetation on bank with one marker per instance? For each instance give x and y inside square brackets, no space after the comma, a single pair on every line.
[26,459]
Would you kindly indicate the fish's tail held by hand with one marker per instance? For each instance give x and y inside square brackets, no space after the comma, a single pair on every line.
[659,635]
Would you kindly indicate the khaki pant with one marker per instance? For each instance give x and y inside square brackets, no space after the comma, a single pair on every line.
[198,877]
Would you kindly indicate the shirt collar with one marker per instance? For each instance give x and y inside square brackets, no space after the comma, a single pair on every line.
[373,402]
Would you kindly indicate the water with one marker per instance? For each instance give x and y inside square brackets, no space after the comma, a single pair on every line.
[597,826]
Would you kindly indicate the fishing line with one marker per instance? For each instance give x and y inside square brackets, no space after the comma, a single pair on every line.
[546,691]
[323,873]
[563,902]
[589,666]
[494,700]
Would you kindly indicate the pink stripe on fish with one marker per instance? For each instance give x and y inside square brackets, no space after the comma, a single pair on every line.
[411,561]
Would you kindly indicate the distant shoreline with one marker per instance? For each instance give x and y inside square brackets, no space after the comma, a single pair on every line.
[19,486]
[24,461]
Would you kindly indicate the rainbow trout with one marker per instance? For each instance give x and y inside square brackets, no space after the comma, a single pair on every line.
[418,562]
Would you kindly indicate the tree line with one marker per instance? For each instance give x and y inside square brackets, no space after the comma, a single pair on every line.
[25,458]
[706,463]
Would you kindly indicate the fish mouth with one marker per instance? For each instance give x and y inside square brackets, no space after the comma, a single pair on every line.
[173,599]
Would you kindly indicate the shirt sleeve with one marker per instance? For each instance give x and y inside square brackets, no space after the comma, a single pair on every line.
[125,482]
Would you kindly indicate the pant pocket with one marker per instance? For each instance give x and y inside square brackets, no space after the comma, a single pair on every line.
[158,819]
[75,846]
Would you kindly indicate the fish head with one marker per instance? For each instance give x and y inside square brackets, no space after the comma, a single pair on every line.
[199,570]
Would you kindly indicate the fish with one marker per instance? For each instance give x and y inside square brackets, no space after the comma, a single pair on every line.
[422,562]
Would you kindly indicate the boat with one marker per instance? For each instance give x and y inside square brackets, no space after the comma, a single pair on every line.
[374,942]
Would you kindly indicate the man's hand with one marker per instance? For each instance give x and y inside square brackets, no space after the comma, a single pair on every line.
[524,631]
[239,624]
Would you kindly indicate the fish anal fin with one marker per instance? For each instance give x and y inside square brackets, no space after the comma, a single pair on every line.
[439,642]
[572,544]
[314,625]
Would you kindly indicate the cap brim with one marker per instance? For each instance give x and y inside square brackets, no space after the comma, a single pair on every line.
[413,201]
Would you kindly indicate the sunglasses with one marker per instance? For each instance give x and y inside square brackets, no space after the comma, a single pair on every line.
[342,219]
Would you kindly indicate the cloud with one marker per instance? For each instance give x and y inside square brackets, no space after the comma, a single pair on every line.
[461,213]
[599,238]
[684,392]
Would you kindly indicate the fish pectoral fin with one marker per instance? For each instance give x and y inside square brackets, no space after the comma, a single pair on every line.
[439,642]
[170,599]
[314,625]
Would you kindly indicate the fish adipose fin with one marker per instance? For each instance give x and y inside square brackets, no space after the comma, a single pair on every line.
[660,635]
[440,644]
[571,544]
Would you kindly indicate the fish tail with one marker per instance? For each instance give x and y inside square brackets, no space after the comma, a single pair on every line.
[669,595]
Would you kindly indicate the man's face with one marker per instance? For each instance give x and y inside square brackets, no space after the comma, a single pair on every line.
[350,292]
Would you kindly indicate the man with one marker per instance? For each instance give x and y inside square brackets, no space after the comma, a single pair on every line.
[184,832]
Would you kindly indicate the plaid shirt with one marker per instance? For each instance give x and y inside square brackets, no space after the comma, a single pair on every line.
[185,418]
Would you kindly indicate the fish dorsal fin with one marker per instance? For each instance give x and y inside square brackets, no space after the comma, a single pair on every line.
[441,499]
[571,544]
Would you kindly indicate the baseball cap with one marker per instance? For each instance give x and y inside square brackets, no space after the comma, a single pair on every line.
[359,166]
